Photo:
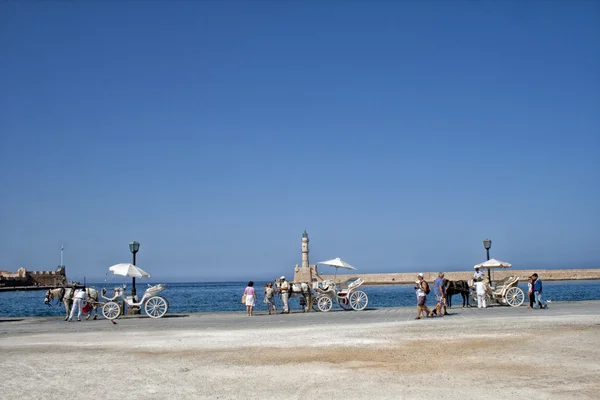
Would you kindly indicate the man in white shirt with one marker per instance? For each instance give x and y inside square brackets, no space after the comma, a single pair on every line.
[78,299]
[284,289]
[480,289]
[478,275]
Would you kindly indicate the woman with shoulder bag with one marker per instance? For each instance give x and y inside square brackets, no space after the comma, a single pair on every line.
[250,298]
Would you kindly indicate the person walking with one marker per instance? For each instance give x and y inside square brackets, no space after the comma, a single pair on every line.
[78,298]
[250,298]
[530,292]
[537,290]
[270,298]
[422,290]
[284,290]
[480,289]
[440,295]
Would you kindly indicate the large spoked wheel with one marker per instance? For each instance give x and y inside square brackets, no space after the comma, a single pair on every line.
[315,303]
[156,307]
[324,303]
[111,310]
[359,300]
[344,302]
[514,297]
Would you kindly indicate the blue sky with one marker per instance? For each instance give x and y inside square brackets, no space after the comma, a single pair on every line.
[398,134]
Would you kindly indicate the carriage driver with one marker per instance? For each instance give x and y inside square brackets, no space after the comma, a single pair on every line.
[284,289]
[478,275]
[78,299]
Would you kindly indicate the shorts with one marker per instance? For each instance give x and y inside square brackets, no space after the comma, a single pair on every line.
[421,300]
[269,301]
[441,300]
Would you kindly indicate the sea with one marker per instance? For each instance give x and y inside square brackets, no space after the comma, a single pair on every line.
[226,297]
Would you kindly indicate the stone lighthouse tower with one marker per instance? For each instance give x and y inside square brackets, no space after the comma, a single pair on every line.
[305,250]
[305,272]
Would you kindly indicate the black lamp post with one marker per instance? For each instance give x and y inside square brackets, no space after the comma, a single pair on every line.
[134,247]
[487,244]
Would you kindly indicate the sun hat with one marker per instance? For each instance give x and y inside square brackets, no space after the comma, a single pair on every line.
[421,275]
[282,277]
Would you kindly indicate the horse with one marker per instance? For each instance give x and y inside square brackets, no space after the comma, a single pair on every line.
[301,290]
[457,287]
[65,295]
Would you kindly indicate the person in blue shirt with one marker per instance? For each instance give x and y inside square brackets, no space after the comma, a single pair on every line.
[440,295]
[537,290]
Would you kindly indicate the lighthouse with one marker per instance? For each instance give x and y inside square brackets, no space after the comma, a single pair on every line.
[305,272]
[305,250]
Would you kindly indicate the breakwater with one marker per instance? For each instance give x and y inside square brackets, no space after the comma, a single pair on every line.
[497,274]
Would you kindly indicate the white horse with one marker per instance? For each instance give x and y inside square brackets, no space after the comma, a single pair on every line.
[301,290]
[65,295]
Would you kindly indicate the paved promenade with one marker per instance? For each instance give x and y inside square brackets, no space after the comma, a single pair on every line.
[499,352]
[239,320]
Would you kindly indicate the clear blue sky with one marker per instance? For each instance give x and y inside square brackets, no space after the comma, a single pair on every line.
[399,134]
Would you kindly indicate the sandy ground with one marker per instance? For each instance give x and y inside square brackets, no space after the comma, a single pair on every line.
[541,356]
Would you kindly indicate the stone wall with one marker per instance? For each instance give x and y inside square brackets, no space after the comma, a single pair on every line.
[34,278]
[497,274]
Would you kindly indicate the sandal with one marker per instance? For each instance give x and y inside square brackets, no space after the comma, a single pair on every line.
[418,318]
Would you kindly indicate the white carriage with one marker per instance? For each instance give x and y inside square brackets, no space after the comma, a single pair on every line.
[503,292]
[346,295]
[155,306]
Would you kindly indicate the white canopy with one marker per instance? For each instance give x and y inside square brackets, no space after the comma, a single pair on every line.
[129,270]
[493,263]
[337,263]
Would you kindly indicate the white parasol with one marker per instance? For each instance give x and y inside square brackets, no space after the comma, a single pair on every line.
[129,270]
[337,263]
[493,263]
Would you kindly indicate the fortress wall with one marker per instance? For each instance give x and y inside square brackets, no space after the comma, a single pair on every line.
[497,274]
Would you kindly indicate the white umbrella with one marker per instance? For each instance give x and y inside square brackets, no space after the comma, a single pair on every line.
[129,270]
[337,263]
[493,263]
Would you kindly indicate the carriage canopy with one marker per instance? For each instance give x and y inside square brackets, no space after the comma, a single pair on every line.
[493,263]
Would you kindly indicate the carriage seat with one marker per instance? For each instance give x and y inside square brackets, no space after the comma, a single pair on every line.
[504,284]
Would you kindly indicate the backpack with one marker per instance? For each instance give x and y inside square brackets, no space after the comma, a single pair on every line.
[427,289]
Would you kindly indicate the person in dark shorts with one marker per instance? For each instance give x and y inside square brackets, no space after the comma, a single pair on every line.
[422,288]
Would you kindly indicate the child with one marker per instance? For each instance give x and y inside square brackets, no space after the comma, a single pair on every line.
[270,298]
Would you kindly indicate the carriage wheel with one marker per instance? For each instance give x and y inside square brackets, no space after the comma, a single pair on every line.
[315,303]
[111,310]
[156,307]
[514,296]
[359,300]
[344,302]
[324,303]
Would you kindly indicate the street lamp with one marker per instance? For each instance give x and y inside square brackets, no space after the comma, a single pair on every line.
[134,247]
[487,244]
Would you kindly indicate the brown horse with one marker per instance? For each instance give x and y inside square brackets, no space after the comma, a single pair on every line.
[65,295]
[457,287]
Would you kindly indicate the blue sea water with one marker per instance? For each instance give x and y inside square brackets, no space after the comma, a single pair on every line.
[225,296]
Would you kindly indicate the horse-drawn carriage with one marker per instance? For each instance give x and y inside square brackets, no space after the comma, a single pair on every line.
[346,295]
[505,291]
[154,306]
[320,295]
